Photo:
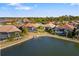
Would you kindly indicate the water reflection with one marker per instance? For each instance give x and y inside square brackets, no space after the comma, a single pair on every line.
[76,45]
[43,46]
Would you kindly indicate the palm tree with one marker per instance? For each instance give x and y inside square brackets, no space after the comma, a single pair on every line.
[66,31]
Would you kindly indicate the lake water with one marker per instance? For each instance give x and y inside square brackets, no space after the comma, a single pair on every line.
[43,46]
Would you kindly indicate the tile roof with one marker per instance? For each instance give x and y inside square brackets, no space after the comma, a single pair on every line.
[67,26]
[50,25]
[26,20]
[29,25]
[7,20]
[9,28]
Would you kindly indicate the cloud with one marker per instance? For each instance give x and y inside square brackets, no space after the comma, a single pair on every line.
[23,8]
[13,4]
[19,6]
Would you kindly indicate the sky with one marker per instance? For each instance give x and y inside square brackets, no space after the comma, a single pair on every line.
[38,9]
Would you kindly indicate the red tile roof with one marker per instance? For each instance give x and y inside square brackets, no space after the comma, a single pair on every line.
[67,26]
[7,20]
[29,25]
[26,20]
[9,28]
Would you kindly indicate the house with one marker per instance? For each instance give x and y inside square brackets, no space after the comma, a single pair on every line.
[49,25]
[63,29]
[25,20]
[68,27]
[30,26]
[6,21]
[9,31]
[59,30]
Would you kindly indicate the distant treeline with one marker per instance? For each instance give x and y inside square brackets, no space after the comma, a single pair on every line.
[45,19]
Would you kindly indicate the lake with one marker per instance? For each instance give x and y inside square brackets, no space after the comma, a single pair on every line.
[43,46]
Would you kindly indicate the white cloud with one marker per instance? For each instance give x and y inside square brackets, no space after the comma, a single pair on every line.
[19,6]
[13,4]
[23,8]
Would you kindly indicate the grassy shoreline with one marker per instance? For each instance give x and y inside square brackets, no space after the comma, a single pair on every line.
[30,36]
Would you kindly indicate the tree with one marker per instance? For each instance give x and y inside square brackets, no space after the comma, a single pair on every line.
[77,34]
[40,28]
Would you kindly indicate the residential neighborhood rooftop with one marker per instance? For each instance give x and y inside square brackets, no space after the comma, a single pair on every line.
[9,28]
